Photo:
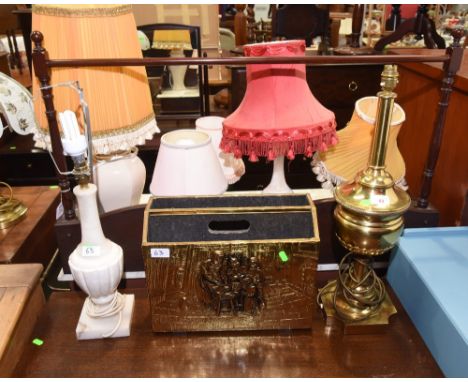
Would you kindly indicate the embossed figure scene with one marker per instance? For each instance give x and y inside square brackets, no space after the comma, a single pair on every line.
[232,283]
[234,287]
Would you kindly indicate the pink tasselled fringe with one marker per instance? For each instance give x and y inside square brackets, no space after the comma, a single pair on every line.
[274,148]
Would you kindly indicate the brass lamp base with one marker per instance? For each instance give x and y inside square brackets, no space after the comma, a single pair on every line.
[358,298]
[376,323]
[11,209]
[11,212]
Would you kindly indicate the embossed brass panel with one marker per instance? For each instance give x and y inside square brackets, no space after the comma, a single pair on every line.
[232,284]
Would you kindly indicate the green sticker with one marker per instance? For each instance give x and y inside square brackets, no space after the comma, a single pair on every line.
[283,256]
[37,342]
[53,187]
[365,202]
[12,147]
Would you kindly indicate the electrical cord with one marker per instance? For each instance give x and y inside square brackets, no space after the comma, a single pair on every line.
[115,306]
[366,292]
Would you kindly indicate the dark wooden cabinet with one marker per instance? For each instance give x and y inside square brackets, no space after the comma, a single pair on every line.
[23,165]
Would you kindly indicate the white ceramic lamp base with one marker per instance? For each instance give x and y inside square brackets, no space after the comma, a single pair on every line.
[178,71]
[120,180]
[278,183]
[118,325]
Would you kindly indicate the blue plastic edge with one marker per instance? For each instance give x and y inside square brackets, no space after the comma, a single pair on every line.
[430,319]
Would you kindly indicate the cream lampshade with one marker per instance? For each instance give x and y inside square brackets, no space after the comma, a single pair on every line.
[233,168]
[119,100]
[187,165]
[343,161]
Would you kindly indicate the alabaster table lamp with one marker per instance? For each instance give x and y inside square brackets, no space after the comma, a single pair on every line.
[187,165]
[119,100]
[97,262]
[176,41]
[279,116]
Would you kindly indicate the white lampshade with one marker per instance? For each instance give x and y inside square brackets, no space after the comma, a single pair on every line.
[187,165]
[233,168]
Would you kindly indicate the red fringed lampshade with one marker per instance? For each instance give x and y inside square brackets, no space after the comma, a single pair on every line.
[278,116]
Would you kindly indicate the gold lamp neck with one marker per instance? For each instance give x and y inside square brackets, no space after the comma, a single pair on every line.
[375,175]
[384,117]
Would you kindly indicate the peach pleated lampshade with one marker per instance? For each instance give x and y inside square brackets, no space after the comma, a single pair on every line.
[119,99]
[342,162]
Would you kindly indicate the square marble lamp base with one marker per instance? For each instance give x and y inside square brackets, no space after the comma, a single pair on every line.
[89,328]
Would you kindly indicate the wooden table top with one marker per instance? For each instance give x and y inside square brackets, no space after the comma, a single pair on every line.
[320,352]
[38,199]
[16,283]
[19,307]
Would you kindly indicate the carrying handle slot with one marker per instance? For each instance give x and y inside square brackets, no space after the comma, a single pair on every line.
[227,227]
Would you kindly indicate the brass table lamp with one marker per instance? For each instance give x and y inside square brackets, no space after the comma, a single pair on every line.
[368,221]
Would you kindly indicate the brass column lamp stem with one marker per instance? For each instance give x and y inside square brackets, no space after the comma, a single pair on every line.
[369,221]
[384,117]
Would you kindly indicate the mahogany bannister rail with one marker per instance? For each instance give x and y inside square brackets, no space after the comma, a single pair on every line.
[311,60]
[42,66]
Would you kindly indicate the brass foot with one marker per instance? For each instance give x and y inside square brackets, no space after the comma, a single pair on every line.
[375,323]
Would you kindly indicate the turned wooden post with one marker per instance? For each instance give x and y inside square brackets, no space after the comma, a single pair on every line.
[451,68]
[240,25]
[41,70]
[358,15]
[17,52]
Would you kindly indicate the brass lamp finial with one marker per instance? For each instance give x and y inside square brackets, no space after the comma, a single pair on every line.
[389,78]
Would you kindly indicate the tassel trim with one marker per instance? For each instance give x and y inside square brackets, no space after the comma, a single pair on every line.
[329,180]
[281,143]
[107,143]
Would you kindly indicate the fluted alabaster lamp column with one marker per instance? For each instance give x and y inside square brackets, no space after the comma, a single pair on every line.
[119,100]
[278,117]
